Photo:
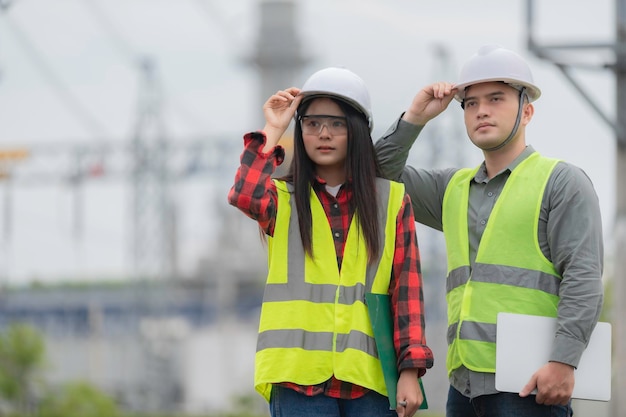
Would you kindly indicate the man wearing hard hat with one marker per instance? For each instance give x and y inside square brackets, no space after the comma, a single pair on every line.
[523,234]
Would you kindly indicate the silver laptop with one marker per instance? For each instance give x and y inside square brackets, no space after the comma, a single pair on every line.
[523,345]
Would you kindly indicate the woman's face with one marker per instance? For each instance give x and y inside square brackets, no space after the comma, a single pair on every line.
[325,136]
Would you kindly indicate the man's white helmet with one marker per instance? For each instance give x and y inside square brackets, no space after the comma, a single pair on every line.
[494,63]
[340,83]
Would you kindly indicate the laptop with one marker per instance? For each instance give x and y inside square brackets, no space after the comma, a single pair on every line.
[523,345]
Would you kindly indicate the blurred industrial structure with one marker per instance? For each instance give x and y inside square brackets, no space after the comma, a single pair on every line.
[609,56]
[164,341]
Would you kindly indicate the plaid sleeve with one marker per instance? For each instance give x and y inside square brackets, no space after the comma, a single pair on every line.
[407,298]
[254,192]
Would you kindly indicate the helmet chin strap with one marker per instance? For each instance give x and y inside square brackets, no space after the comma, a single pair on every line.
[522,96]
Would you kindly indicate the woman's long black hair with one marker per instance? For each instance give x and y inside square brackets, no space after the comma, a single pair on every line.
[361,170]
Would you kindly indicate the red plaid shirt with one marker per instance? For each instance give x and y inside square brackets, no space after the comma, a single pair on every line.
[254,193]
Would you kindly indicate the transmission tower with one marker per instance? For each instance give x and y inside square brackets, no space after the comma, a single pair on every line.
[153,213]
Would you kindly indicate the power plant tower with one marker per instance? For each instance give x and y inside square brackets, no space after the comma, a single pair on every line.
[278,57]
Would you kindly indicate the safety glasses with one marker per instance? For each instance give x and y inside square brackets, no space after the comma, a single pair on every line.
[313,124]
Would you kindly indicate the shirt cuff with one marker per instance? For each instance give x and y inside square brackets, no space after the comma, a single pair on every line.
[402,133]
[256,141]
[567,350]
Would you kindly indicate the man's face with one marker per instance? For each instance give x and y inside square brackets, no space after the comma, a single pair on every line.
[490,113]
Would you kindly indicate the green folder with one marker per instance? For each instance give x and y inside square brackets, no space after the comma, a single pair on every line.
[379,309]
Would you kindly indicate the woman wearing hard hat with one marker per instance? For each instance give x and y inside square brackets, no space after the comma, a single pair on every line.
[337,231]
[523,234]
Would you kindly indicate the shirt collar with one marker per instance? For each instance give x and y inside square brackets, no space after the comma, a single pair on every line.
[319,184]
[321,181]
[481,175]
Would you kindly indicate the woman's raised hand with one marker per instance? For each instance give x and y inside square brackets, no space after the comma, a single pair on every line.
[280,108]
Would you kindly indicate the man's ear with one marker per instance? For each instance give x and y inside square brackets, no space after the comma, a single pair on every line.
[527,113]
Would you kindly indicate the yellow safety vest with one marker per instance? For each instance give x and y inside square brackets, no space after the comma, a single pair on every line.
[510,274]
[314,321]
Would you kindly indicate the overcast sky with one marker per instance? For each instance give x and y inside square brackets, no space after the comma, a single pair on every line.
[68,74]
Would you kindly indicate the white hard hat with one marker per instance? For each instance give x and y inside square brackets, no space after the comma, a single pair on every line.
[494,63]
[340,83]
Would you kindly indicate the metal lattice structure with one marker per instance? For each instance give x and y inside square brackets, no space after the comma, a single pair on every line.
[565,62]
[153,213]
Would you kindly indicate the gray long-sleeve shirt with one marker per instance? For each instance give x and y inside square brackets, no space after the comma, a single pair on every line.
[569,234]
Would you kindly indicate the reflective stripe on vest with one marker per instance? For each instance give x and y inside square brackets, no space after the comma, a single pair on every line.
[314,322]
[510,274]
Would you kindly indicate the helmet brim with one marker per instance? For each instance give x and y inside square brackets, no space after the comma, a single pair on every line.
[310,95]
[532,90]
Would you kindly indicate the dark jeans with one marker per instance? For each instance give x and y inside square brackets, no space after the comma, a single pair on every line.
[503,404]
[286,402]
